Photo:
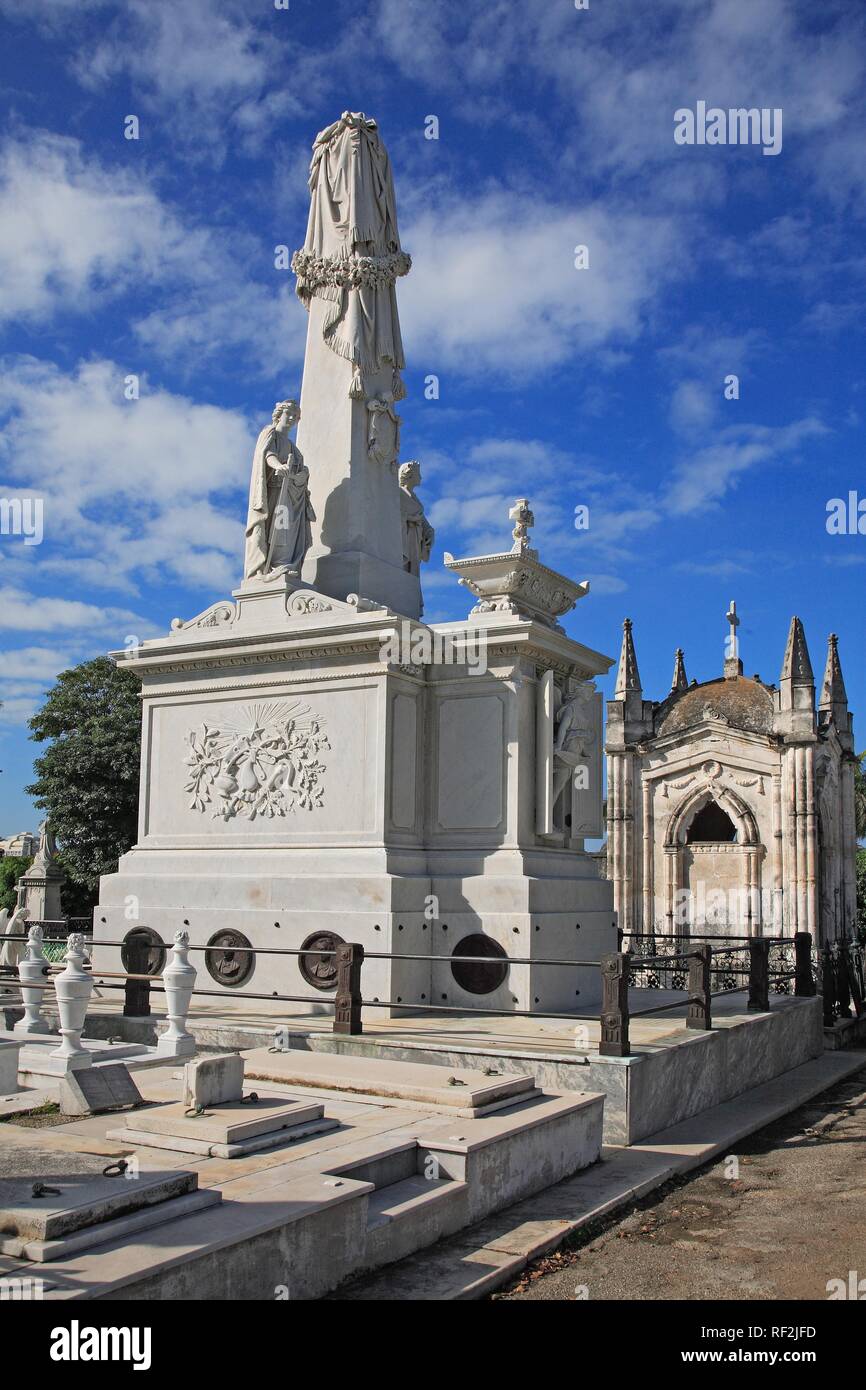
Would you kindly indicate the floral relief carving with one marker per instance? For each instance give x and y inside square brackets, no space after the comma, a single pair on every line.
[264,763]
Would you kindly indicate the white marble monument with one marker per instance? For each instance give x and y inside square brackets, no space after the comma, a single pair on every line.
[317,764]
[39,886]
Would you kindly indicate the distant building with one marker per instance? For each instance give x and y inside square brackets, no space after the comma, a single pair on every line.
[730,802]
[21,846]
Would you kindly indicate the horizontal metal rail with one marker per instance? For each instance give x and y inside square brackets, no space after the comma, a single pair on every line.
[468,1009]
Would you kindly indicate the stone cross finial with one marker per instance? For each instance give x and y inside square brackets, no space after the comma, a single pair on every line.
[523,518]
[734,621]
[733,665]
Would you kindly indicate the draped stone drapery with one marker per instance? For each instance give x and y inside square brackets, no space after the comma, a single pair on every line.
[352,256]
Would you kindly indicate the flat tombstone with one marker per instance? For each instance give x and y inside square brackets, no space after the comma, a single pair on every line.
[213,1080]
[97,1089]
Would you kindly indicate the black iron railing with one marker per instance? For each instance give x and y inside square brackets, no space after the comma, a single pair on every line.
[695,962]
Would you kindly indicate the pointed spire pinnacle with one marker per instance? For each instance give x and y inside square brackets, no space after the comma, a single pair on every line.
[796,666]
[833,690]
[627,675]
[680,680]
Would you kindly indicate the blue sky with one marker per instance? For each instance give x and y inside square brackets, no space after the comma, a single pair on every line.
[602,386]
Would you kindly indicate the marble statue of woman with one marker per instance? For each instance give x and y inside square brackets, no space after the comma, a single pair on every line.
[383,433]
[46,854]
[573,737]
[278,533]
[418,534]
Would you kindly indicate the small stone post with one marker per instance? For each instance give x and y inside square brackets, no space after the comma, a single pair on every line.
[73,987]
[614,1006]
[700,1014]
[759,975]
[136,1001]
[33,967]
[347,1005]
[178,977]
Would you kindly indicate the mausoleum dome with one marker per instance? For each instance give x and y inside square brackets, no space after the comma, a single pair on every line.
[742,702]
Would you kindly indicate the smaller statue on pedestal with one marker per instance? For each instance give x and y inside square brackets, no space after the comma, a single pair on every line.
[383,431]
[278,533]
[574,734]
[418,534]
[46,854]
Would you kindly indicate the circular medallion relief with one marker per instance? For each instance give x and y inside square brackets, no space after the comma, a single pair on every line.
[476,977]
[226,963]
[318,970]
[155,950]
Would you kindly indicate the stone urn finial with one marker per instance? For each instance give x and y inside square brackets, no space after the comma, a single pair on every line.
[523,518]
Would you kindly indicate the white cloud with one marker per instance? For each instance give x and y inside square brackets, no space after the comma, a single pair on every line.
[26,671]
[704,477]
[70,232]
[21,611]
[74,234]
[614,78]
[216,74]
[494,286]
[26,666]
[134,488]
[692,406]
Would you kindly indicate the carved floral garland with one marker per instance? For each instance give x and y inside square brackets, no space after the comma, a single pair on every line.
[265,766]
[348,272]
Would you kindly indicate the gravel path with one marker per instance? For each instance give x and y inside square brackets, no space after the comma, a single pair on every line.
[778,1219]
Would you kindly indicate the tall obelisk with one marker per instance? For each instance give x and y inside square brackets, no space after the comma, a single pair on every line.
[349,432]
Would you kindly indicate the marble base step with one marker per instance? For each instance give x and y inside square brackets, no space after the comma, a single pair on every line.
[121,1228]
[229,1130]
[79,1198]
[457,1091]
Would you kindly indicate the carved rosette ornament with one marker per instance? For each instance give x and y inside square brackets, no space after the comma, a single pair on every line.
[264,764]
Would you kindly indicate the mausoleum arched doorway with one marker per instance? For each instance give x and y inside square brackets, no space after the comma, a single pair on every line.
[713,862]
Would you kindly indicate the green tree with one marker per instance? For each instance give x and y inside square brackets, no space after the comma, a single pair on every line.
[861,894]
[11,869]
[860,797]
[87,778]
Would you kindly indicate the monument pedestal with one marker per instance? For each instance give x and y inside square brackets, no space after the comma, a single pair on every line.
[303,787]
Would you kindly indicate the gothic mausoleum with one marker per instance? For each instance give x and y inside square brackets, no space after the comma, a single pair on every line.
[731,801]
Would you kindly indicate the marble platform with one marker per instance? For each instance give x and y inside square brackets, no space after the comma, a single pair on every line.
[386,1179]
[232,1129]
[54,1204]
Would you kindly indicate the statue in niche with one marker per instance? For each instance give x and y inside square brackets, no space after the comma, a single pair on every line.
[278,533]
[573,737]
[418,534]
[383,431]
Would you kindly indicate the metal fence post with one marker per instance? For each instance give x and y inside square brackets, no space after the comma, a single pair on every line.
[843,980]
[347,1005]
[700,1003]
[759,975]
[804,979]
[614,1006]
[136,993]
[828,985]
